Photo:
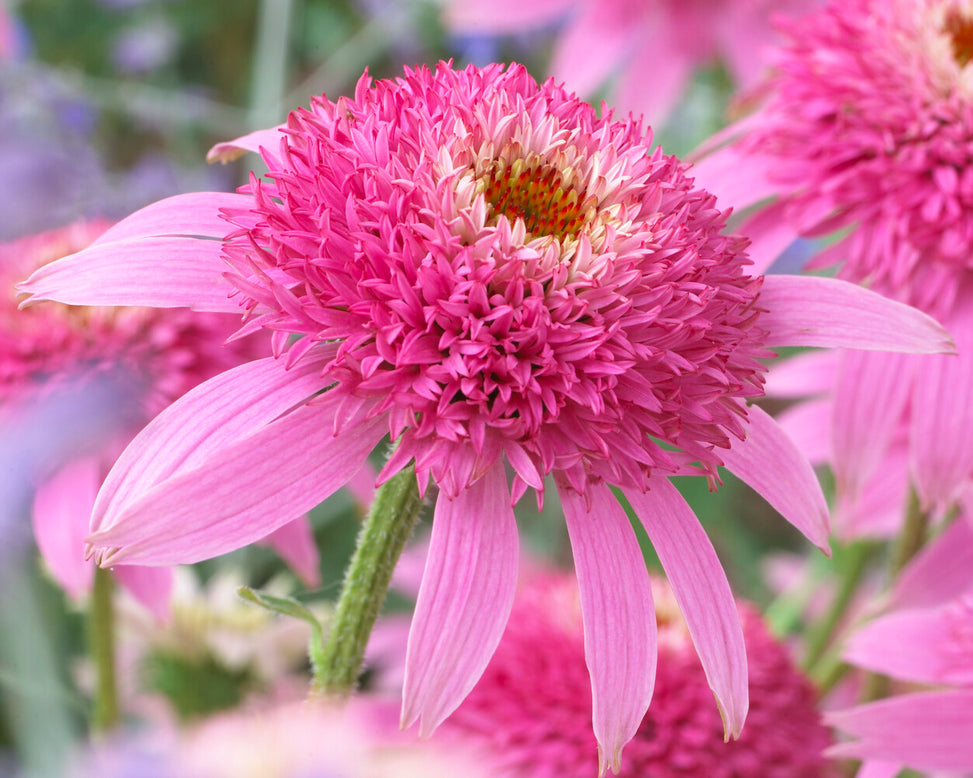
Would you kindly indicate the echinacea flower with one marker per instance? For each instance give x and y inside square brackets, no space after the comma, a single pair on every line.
[647,49]
[113,368]
[532,705]
[923,639]
[867,127]
[481,268]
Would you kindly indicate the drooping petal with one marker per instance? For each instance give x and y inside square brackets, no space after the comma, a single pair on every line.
[618,616]
[878,510]
[870,396]
[193,214]
[503,16]
[738,180]
[941,571]
[828,312]
[294,542]
[925,731]
[155,272]
[464,601]
[941,437]
[268,139]
[874,768]
[242,492]
[803,375]
[769,462]
[151,586]
[62,506]
[212,415]
[703,593]
[770,234]
[922,638]
[807,424]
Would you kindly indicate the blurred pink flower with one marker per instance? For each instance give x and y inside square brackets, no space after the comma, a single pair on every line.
[532,706]
[117,368]
[868,127]
[647,49]
[286,741]
[867,123]
[483,269]
[924,637]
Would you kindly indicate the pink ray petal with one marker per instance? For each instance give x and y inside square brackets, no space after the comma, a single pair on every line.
[295,544]
[618,616]
[242,492]
[870,397]
[926,731]
[828,312]
[501,17]
[878,510]
[157,272]
[769,462]
[227,151]
[193,214]
[738,180]
[810,373]
[921,639]
[808,425]
[464,601]
[874,768]
[671,67]
[941,571]
[151,586]
[770,235]
[212,415]
[942,417]
[62,506]
[703,593]
[605,34]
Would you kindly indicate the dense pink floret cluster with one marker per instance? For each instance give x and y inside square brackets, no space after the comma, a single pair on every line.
[506,273]
[871,124]
[163,353]
[532,706]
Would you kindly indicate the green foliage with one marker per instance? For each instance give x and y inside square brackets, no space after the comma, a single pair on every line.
[196,686]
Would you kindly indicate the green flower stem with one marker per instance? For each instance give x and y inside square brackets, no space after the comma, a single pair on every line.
[854,563]
[911,539]
[383,536]
[101,643]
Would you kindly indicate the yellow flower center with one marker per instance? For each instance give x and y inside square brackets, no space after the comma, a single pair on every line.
[959,27]
[535,191]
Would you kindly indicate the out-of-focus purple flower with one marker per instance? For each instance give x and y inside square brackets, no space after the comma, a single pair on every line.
[145,46]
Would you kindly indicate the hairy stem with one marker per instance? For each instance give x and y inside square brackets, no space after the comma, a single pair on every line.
[380,542]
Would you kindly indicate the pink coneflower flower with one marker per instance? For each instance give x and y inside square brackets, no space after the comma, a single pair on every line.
[646,49]
[868,123]
[117,368]
[868,126]
[533,704]
[924,638]
[483,269]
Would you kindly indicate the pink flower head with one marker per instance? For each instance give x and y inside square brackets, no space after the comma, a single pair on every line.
[868,123]
[925,637]
[533,703]
[483,269]
[647,49]
[114,368]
